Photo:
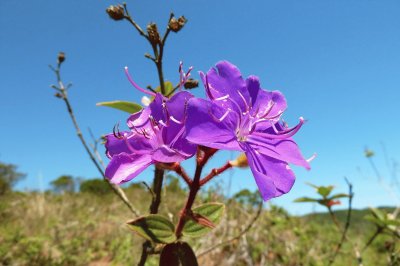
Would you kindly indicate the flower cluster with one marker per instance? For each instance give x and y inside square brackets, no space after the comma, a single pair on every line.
[237,115]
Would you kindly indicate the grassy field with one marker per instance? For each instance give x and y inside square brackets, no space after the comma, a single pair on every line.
[86,229]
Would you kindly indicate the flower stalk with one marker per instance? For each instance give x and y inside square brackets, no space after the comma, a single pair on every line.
[203,155]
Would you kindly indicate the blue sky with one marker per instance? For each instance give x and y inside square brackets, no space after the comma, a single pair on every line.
[337,62]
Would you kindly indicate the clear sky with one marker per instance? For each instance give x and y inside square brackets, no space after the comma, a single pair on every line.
[337,62]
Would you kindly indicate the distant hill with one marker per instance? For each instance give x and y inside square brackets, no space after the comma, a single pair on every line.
[358,223]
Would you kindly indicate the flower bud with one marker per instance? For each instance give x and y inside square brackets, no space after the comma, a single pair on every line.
[58,95]
[369,153]
[240,161]
[191,84]
[61,57]
[153,34]
[116,12]
[177,24]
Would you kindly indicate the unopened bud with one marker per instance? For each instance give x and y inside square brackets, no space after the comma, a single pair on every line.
[191,84]
[240,161]
[58,95]
[116,12]
[369,153]
[61,57]
[153,34]
[177,24]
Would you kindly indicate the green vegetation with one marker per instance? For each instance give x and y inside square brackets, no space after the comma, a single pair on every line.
[9,176]
[85,229]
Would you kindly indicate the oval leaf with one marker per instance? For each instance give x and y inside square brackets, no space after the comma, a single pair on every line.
[178,254]
[125,106]
[211,211]
[338,196]
[305,199]
[154,227]
[325,191]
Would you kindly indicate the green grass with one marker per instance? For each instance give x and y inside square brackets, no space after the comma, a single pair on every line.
[85,229]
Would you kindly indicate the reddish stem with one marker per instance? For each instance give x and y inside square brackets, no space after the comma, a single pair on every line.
[177,168]
[186,212]
[214,172]
[203,155]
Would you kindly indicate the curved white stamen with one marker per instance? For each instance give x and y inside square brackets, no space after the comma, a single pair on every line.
[270,105]
[219,119]
[309,160]
[222,98]
[162,123]
[135,85]
[175,120]
[177,136]
[208,89]
[244,101]
[282,134]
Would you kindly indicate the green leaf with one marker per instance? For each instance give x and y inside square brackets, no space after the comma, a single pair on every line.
[125,106]
[154,227]
[378,214]
[393,222]
[168,86]
[305,199]
[324,191]
[312,185]
[338,196]
[211,211]
[375,220]
[178,254]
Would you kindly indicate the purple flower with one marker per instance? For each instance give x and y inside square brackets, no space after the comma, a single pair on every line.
[156,135]
[241,116]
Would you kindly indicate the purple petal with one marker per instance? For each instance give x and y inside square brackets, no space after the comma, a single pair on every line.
[124,167]
[226,79]
[261,99]
[156,107]
[176,107]
[274,178]
[284,150]
[139,119]
[203,127]
[165,154]
[130,144]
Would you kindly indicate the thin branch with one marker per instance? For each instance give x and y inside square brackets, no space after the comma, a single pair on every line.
[149,189]
[243,232]
[117,190]
[334,219]
[137,27]
[347,225]
[94,148]
[164,39]
[372,238]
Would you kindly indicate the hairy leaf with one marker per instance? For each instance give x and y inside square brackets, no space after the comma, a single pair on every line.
[212,212]
[154,227]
